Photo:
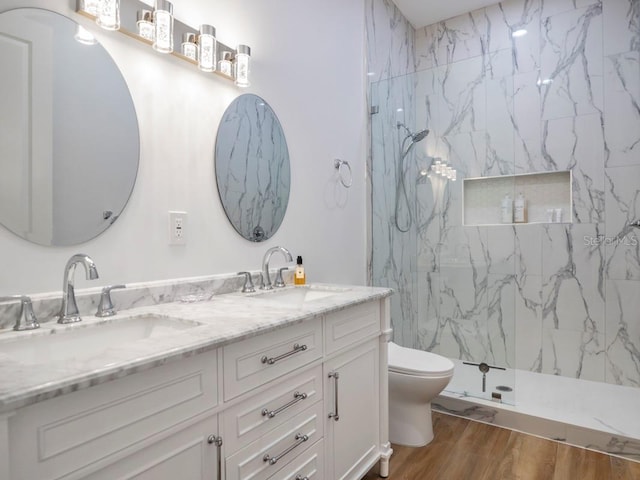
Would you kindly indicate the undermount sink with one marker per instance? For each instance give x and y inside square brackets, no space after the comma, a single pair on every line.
[298,296]
[84,341]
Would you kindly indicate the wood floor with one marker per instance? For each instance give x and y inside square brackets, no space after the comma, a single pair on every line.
[468,450]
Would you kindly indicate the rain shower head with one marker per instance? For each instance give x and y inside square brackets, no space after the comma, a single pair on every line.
[415,137]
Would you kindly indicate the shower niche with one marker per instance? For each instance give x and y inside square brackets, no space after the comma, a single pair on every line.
[547,195]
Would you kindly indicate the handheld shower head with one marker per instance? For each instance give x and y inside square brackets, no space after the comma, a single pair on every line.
[419,136]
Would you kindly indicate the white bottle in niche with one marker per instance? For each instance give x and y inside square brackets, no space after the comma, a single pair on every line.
[520,209]
[506,209]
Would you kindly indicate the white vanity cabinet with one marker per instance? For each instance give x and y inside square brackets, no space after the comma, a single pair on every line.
[262,408]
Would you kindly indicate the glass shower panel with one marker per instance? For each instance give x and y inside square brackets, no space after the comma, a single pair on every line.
[455,284]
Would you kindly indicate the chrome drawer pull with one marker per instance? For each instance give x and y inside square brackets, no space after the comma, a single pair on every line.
[217,441]
[296,349]
[273,460]
[336,415]
[300,477]
[272,413]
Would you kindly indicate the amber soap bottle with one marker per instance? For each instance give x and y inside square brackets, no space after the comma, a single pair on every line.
[299,278]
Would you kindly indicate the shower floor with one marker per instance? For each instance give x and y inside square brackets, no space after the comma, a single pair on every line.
[590,414]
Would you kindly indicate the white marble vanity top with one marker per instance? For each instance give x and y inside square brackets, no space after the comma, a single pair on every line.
[224,319]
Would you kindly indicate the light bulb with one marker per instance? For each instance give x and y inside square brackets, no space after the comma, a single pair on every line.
[190,45]
[225,65]
[163,21]
[91,7]
[243,54]
[207,48]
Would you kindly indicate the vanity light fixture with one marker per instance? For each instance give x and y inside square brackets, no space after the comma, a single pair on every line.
[157,26]
[190,45]
[440,167]
[207,48]
[108,14]
[163,21]
[146,29]
[84,36]
[243,54]
[224,65]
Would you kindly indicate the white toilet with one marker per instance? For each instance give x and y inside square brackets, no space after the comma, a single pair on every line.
[415,378]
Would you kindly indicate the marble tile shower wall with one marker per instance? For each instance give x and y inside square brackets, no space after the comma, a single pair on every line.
[561,299]
[391,54]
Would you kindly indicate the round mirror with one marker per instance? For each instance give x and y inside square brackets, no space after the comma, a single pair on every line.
[69,143]
[252,168]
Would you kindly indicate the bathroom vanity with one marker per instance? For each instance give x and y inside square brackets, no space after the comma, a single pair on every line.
[284,385]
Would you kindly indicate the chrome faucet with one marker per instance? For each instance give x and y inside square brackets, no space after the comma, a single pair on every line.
[266,280]
[69,312]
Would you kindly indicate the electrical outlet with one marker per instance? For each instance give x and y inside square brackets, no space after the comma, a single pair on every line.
[177,228]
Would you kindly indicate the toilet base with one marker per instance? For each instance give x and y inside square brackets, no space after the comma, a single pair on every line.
[410,424]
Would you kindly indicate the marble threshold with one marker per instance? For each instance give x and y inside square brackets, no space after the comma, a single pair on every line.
[594,415]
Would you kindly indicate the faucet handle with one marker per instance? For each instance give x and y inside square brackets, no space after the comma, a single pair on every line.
[248,283]
[105,307]
[279,281]
[26,319]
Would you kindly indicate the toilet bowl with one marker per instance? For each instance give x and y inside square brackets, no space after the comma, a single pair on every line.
[415,378]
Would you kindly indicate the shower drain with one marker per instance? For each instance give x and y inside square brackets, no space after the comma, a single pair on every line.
[504,388]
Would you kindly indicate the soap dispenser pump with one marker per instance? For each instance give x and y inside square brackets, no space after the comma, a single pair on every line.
[299,277]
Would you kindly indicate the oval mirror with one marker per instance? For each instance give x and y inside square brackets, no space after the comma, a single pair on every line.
[252,168]
[69,143]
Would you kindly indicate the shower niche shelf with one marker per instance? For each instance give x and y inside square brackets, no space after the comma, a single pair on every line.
[546,191]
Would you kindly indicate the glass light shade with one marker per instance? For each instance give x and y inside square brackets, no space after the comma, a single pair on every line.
[146,29]
[243,54]
[437,166]
[190,46]
[224,65]
[91,7]
[84,36]
[454,175]
[108,14]
[163,21]
[207,48]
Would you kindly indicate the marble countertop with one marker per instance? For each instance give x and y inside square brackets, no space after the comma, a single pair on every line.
[221,319]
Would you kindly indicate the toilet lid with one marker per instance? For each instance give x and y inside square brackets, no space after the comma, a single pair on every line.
[417,362]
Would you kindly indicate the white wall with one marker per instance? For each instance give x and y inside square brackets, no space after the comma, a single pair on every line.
[308,65]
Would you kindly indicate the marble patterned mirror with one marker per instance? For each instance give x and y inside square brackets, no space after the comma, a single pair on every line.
[69,143]
[252,168]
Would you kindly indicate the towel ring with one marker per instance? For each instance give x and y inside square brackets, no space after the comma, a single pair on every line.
[338,166]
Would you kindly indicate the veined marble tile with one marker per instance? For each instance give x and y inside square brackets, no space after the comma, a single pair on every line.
[574,354]
[623,332]
[507,17]
[527,126]
[426,45]
[501,320]
[462,37]
[622,207]
[390,48]
[501,250]
[467,153]
[621,23]
[428,204]
[573,290]
[462,97]
[429,330]
[576,144]
[556,7]
[528,324]
[571,57]
[622,108]
[499,127]
[528,250]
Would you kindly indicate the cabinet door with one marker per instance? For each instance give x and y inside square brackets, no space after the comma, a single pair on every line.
[352,436]
[189,454]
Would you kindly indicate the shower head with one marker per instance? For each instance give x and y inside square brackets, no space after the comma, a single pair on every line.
[419,136]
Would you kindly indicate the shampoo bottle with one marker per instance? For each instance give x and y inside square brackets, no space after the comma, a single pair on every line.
[506,209]
[520,209]
[299,277]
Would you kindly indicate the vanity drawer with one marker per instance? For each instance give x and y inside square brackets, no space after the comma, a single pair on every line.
[61,437]
[309,464]
[253,417]
[258,360]
[282,444]
[351,325]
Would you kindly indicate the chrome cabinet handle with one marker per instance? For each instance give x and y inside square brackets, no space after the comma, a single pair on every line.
[273,460]
[272,413]
[217,441]
[296,349]
[335,415]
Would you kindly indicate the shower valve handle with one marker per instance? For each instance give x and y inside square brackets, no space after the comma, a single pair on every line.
[484,368]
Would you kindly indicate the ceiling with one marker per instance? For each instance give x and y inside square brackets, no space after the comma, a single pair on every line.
[425,12]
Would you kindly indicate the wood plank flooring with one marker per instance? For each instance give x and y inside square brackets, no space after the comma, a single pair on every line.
[464,449]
